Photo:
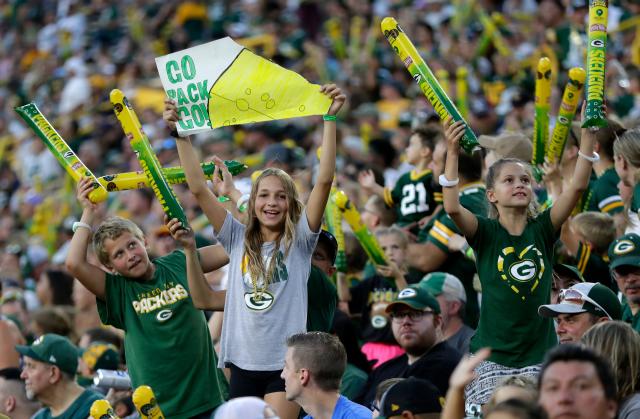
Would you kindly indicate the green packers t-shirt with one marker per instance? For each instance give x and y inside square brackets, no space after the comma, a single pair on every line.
[605,196]
[79,409]
[167,342]
[415,195]
[594,267]
[515,273]
[629,317]
[323,300]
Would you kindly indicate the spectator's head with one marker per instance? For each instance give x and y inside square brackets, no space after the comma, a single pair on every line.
[120,246]
[99,334]
[509,145]
[624,262]
[564,276]
[393,242]
[626,156]
[245,407]
[618,343]
[516,409]
[324,255]
[55,288]
[449,292]
[580,307]
[52,319]
[416,320]
[380,390]
[13,398]
[501,191]
[283,156]
[422,143]
[412,398]
[576,382]
[595,228]
[376,214]
[515,387]
[606,136]
[98,356]
[314,362]
[51,361]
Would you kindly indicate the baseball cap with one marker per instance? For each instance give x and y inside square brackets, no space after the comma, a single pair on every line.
[280,153]
[415,395]
[508,144]
[417,298]
[53,349]
[625,250]
[330,243]
[101,355]
[444,283]
[568,271]
[585,297]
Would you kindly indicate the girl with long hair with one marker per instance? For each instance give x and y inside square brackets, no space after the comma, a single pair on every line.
[626,159]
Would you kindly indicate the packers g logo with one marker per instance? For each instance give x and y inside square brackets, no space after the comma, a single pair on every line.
[407,293]
[519,270]
[378,321]
[623,247]
[164,315]
[255,304]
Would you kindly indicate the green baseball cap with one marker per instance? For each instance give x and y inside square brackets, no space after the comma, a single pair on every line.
[570,271]
[444,283]
[53,349]
[625,250]
[415,297]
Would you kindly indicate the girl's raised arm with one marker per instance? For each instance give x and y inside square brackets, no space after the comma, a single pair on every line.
[193,172]
[320,192]
[567,201]
[464,219]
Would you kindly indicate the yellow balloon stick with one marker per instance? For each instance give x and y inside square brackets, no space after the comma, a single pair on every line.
[442,76]
[362,233]
[101,409]
[541,121]
[60,149]
[146,404]
[462,89]
[148,160]
[570,98]
[424,77]
[594,116]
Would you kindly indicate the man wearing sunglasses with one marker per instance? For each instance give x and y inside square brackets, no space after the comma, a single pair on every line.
[417,327]
[624,257]
[580,307]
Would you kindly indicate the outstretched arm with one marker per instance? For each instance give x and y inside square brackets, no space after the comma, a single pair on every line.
[320,192]
[464,219]
[89,275]
[202,296]
[214,211]
[567,201]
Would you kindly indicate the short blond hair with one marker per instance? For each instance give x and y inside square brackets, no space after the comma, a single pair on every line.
[597,227]
[112,228]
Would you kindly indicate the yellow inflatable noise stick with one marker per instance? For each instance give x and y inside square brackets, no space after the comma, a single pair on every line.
[101,409]
[541,121]
[60,149]
[362,233]
[148,160]
[594,116]
[146,404]
[570,98]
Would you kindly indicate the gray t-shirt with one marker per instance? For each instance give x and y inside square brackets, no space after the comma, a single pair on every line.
[254,331]
[630,408]
[461,339]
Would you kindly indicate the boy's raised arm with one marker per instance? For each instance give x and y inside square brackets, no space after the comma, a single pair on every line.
[89,275]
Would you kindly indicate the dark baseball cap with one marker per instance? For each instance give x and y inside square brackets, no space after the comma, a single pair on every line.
[415,297]
[625,250]
[53,349]
[101,355]
[415,395]
[330,243]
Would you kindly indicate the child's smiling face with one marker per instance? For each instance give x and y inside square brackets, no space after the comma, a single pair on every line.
[512,187]
[271,204]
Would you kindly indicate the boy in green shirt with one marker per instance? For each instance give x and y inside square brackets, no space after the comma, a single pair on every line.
[167,342]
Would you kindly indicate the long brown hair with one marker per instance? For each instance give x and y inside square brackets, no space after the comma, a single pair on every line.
[253,239]
[494,172]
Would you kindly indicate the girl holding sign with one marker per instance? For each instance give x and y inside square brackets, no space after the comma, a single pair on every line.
[270,260]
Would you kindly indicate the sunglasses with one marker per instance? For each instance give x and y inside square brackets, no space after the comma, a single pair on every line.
[413,315]
[574,296]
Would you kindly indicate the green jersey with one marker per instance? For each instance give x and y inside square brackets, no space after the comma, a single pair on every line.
[594,267]
[605,196]
[415,195]
[515,273]
[629,317]
[322,301]
[167,342]
[439,231]
[79,409]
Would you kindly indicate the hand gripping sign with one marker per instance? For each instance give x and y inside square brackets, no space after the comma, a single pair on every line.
[148,160]
[570,98]
[596,57]
[423,75]
[54,142]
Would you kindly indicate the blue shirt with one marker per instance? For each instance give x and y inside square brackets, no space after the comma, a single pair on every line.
[346,409]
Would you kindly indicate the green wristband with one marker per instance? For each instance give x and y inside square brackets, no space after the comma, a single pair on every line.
[329,117]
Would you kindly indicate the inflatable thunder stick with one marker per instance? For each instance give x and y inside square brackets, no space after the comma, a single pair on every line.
[101,409]
[60,149]
[462,88]
[362,233]
[146,404]
[541,121]
[423,75]
[570,98]
[594,116]
[148,160]
[333,218]
[173,175]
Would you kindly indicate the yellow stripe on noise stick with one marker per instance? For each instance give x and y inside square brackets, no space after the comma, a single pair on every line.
[148,160]
[60,149]
[146,403]
[424,77]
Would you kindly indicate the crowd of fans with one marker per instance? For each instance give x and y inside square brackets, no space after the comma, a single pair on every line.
[467,265]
